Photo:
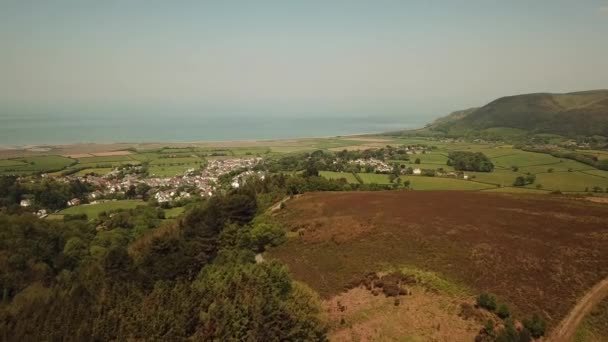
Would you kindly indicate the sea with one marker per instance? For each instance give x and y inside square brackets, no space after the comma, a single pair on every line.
[17,130]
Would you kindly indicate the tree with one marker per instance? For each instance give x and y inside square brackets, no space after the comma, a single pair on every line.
[417,161]
[470,161]
[131,192]
[266,233]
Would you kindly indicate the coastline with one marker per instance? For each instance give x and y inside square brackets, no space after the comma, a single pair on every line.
[13,151]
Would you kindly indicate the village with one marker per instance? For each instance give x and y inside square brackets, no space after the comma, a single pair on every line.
[122,183]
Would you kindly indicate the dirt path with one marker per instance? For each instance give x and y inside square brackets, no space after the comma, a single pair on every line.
[277,205]
[567,327]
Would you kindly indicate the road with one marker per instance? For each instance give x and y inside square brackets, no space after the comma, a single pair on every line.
[564,332]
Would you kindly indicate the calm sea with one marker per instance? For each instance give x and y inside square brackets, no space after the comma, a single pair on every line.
[29,129]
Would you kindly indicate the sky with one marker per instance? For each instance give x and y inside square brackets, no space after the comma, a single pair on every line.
[273,57]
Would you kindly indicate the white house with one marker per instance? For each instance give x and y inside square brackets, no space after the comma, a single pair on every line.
[25,203]
[417,171]
[73,202]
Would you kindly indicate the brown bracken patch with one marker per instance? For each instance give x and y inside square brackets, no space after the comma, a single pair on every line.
[495,243]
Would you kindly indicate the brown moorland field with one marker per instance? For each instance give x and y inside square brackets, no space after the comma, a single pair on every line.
[537,253]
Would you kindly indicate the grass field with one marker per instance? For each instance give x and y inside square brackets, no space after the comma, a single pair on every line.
[501,177]
[12,162]
[563,165]
[99,171]
[105,159]
[35,164]
[517,190]
[337,175]
[570,181]
[598,173]
[93,210]
[521,159]
[174,212]
[430,158]
[440,183]
[178,160]
[489,242]
[369,178]
[594,327]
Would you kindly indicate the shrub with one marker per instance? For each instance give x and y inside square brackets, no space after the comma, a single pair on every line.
[488,327]
[536,326]
[486,301]
[503,311]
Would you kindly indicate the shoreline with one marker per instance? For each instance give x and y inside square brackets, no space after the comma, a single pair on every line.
[14,151]
[25,147]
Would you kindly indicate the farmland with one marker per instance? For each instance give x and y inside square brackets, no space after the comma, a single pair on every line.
[93,210]
[34,164]
[552,173]
[439,183]
[489,242]
[337,175]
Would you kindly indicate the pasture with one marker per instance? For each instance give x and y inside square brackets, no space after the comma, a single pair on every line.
[522,158]
[442,183]
[570,181]
[93,210]
[174,212]
[377,178]
[337,175]
[30,165]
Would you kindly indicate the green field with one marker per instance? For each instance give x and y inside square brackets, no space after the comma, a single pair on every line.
[99,171]
[174,212]
[500,177]
[430,158]
[441,183]
[597,173]
[12,162]
[103,159]
[569,181]
[522,158]
[35,164]
[377,178]
[516,190]
[563,165]
[93,210]
[175,161]
[337,175]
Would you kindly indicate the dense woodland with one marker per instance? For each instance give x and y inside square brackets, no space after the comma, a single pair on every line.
[131,275]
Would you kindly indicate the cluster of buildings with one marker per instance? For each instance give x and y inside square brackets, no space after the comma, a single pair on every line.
[240,179]
[377,164]
[166,189]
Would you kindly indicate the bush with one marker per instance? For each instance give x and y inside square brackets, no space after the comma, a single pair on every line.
[536,326]
[486,301]
[503,311]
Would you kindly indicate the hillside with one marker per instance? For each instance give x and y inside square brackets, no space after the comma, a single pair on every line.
[571,114]
[467,238]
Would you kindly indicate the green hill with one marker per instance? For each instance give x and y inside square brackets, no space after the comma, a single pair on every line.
[571,114]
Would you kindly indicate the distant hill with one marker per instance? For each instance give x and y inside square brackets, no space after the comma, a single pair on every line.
[571,114]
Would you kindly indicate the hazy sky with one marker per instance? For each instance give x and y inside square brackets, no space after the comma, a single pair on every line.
[399,57]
